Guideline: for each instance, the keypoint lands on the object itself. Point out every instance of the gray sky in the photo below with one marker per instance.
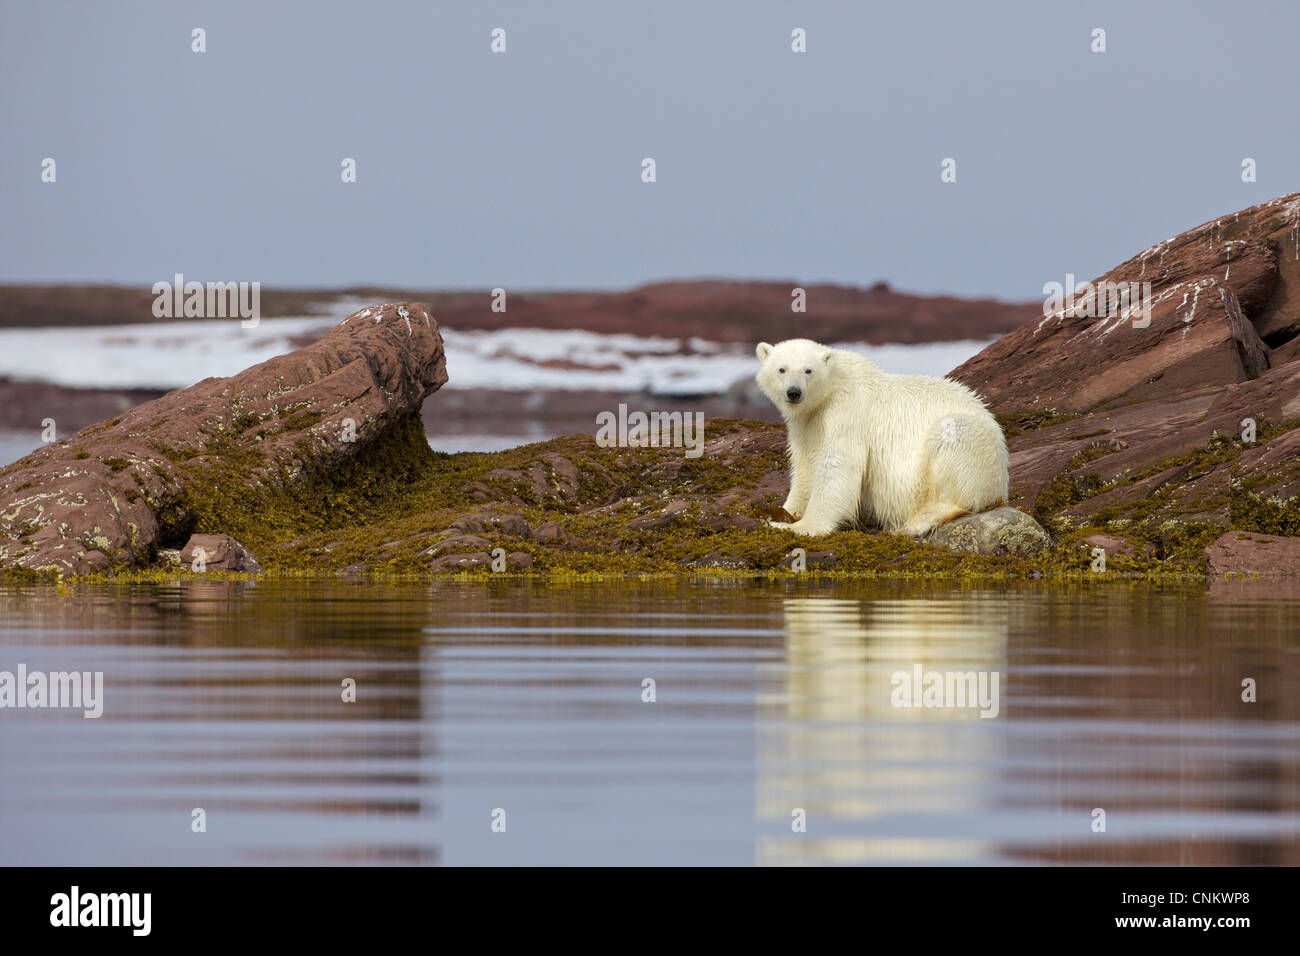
(523, 169)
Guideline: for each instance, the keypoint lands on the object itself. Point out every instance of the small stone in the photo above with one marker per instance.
(720, 560)
(221, 552)
(671, 512)
(515, 525)
(550, 532)
(813, 561)
(1117, 545)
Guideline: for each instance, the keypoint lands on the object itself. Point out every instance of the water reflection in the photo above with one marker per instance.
(771, 696)
(219, 697)
(871, 776)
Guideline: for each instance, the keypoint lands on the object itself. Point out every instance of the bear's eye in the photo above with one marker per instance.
(780, 371)
(807, 371)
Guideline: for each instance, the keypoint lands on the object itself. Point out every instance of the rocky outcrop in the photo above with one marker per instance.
(1223, 295)
(111, 493)
(1197, 335)
(1187, 423)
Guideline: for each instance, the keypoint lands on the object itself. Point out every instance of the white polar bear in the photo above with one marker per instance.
(902, 452)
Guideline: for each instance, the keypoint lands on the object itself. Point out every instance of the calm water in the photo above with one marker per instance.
(771, 699)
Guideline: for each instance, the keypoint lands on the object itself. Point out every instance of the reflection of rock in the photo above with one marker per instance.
(1002, 531)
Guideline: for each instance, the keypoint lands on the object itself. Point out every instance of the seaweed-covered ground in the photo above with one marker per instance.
(571, 507)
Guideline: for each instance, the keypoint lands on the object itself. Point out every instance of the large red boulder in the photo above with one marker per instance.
(94, 500)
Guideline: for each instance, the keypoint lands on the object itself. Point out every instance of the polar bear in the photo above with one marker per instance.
(869, 448)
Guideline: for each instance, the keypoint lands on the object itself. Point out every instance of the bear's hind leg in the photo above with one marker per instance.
(929, 518)
(967, 471)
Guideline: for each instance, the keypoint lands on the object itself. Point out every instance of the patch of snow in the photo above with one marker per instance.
(166, 355)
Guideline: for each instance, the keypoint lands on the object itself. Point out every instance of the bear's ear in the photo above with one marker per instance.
(827, 355)
(763, 351)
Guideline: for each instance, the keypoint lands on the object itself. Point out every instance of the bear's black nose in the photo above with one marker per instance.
(793, 394)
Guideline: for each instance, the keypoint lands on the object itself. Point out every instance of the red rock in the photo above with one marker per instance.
(1272, 470)
(551, 478)
(1141, 434)
(461, 562)
(458, 544)
(1219, 291)
(1197, 335)
(488, 520)
(1189, 382)
(550, 532)
(1256, 252)
(1247, 552)
(1115, 545)
(671, 512)
(220, 552)
(515, 561)
(92, 501)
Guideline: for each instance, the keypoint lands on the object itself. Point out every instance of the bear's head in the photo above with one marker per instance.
(795, 374)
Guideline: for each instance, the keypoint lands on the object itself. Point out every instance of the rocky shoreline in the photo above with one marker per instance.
(1168, 447)
(716, 310)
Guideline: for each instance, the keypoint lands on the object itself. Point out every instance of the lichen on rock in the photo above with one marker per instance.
(999, 531)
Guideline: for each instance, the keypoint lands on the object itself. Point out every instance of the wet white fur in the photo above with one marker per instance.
(902, 452)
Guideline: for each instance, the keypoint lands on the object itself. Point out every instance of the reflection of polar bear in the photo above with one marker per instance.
(904, 452)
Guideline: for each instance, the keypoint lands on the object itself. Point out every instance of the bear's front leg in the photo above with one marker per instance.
(835, 498)
(803, 526)
(796, 503)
